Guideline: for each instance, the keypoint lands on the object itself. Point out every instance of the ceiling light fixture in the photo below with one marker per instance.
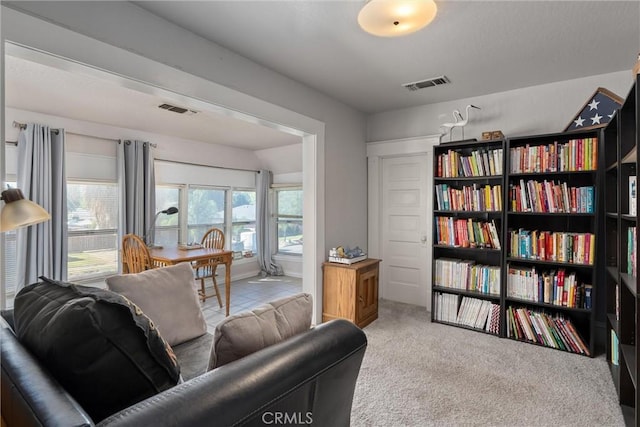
(391, 18)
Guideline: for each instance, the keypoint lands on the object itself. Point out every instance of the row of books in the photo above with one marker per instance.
(573, 155)
(569, 247)
(472, 312)
(548, 196)
(480, 162)
(469, 198)
(551, 331)
(467, 233)
(551, 287)
(632, 252)
(467, 275)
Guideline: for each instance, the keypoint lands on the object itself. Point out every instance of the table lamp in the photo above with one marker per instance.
(169, 211)
(19, 212)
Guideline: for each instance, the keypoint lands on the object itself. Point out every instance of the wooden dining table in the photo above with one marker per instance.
(164, 256)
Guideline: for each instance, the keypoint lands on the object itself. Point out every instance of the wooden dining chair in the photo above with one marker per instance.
(213, 238)
(135, 255)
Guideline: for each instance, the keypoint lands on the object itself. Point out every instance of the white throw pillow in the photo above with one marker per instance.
(167, 296)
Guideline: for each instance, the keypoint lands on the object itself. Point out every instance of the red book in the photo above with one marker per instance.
(570, 344)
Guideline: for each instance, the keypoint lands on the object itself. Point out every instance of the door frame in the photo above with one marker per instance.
(376, 151)
(33, 36)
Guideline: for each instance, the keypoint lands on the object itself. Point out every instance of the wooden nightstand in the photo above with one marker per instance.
(351, 291)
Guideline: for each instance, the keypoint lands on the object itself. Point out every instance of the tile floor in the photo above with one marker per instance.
(247, 294)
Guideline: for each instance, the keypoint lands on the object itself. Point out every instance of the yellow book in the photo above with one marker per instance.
(474, 165)
(592, 247)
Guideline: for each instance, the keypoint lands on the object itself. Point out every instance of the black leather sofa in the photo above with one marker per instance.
(306, 380)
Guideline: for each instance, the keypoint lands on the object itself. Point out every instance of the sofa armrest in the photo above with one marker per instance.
(30, 396)
(310, 376)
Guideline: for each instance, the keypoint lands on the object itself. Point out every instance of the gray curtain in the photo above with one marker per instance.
(137, 188)
(42, 248)
(265, 251)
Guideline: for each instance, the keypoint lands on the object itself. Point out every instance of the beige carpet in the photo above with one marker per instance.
(418, 373)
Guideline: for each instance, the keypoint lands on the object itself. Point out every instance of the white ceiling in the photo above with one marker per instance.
(45, 89)
(482, 46)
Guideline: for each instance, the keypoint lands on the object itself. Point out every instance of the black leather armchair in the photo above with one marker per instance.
(307, 379)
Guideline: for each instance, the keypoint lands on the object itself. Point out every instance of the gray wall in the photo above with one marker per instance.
(126, 26)
(528, 111)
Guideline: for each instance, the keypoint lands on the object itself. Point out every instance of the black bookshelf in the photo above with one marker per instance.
(621, 138)
(552, 229)
(457, 175)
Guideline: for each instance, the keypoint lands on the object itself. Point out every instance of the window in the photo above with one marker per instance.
(205, 209)
(92, 219)
(10, 255)
(168, 226)
(289, 220)
(243, 227)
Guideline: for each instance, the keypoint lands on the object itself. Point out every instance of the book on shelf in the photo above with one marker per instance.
(469, 198)
(480, 162)
(549, 287)
(614, 348)
(632, 195)
(554, 331)
(467, 275)
(467, 233)
(574, 155)
(550, 197)
(467, 311)
(632, 252)
(568, 247)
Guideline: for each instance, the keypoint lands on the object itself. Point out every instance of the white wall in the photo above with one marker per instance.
(284, 162)
(168, 147)
(528, 111)
(131, 28)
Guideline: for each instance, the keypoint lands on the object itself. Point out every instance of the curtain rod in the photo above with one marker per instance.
(206, 166)
(24, 126)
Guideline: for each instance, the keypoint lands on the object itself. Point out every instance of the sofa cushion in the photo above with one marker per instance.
(167, 295)
(100, 346)
(245, 333)
(193, 356)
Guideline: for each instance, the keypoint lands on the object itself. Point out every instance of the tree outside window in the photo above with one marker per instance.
(92, 220)
(289, 203)
(206, 209)
(243, 228)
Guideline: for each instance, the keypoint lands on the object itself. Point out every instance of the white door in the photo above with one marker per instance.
(406, 231)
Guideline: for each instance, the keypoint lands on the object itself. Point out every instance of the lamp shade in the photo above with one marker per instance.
(390, 18)
(20, 212)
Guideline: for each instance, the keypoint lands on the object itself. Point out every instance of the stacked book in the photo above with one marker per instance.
(480, 162)
(574, 248)
(542, 328)
(469, 198)
(467, 233)
(550, 197)
(632, 252)
(467, 275)
(471, 312)
(552, 287)
(574, 155)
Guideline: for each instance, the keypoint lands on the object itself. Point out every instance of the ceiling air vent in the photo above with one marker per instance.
(173, 108)
(435, 81)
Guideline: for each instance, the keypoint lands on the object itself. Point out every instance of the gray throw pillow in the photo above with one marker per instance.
(168, 297)
(245, 333)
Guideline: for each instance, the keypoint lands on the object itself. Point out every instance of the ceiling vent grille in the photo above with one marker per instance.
(175, 109)
(435, 81)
